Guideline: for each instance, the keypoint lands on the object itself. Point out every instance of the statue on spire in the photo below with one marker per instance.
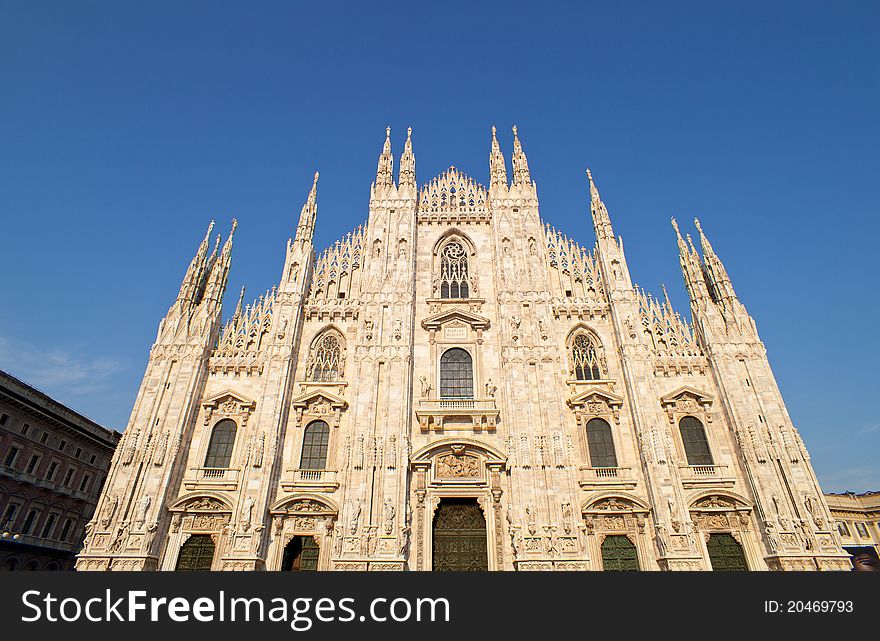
(601, 219)
(306, 228)
(521, 175)
(407, 174)
(385, 169)
(497, 167)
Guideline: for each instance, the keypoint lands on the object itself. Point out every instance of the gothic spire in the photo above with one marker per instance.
(407, 172)
(601, 220)
(306, 228)
(219, 274)
(521, 174)
(189, 288)
(237, 313)
(691, 268)
(497, 167)
(715, 270)
(385, 170)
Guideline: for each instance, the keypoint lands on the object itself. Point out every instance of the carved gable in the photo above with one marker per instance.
(686, 400)
(456, 324)
(228, 403)
(319, 403)
(594, 402)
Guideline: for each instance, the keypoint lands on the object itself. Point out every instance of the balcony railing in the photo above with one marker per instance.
(324, 480)
(693, 475)
(218, 473)
(433, 412)
(606, 477)
(225, 478)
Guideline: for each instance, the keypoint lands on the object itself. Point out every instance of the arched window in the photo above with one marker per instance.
(326, 361)
(221, 444)
(696, 445)
(601, 443)
(619, 554)
(454, 282)
(725, 553)
(314, 449)
(585, 358)
(456, 374)
(197, 553)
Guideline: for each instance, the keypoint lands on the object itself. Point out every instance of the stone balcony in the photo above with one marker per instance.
(211, 478)
(459, 414)
(693, 476)
(297, 480)
(592, 478)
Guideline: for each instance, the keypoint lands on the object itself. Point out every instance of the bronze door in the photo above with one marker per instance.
(197, 553)
(300, 555)
(460, 543)
(725, 553)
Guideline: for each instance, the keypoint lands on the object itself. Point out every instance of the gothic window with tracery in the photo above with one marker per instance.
(585, 357)
(314, 450)
(696, 445)
(454, 281)
(221, 444)
(456, 374)
(601, 443)
(326, 361)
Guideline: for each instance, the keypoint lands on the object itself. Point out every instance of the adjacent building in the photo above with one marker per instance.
(53, 463)
(456, 385)
(858, 523)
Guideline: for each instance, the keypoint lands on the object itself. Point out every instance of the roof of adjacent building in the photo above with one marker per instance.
(40, 404)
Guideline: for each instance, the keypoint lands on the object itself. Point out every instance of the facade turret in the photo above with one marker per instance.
(406, 179)
(497, 166)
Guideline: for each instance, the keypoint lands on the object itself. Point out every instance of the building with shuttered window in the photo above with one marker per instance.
(455, 385)
(53, 462)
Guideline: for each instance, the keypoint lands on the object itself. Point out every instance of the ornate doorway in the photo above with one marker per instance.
(197, 553)
(460, 543)
(725, 553)
(300, 555)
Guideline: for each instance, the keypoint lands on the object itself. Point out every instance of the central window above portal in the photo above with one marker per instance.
(454, 281)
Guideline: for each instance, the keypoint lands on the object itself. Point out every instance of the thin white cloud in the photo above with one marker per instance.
(870, 429)
(64, 373)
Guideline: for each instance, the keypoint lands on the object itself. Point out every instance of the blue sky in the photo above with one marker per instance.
(125, 127)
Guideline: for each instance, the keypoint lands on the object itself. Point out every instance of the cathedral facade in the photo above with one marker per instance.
(455, 385)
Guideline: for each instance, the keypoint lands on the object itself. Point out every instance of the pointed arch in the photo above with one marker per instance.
(454, 275)
(326, 361)
(585, 353)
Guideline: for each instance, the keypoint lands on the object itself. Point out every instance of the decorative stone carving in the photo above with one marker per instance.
(461, 465)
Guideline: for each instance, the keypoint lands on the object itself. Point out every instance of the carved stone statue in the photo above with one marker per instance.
(354, 515)
(530, 518)
(388, 513)
(110, 510)
(426, 386)
(247, 513)
(142, 507)
(402, 540)
(490, 389)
